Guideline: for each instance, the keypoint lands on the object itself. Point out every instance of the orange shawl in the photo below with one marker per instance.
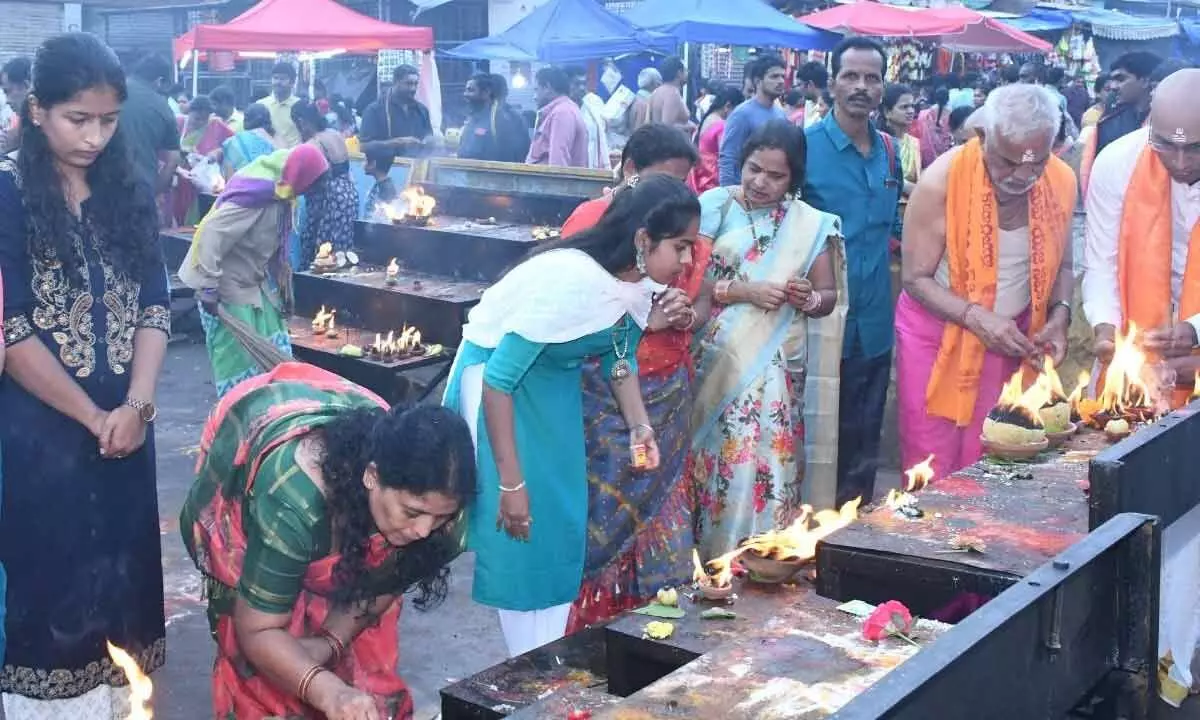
(1144, 253)
(972, 237)
(1144, 250)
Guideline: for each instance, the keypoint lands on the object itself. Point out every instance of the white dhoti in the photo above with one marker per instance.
(1179, 605)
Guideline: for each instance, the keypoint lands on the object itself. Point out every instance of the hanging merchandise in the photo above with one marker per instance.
(909, 61)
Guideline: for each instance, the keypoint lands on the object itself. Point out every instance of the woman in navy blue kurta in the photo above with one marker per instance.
(517, 382)
(86, 322)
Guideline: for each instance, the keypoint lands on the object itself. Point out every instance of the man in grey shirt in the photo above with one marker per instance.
(149, 126)
(769, 75)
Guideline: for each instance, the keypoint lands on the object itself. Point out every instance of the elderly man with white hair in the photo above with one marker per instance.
(987, 275)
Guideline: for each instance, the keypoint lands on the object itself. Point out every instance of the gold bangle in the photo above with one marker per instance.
(306, 681)
(335, 644)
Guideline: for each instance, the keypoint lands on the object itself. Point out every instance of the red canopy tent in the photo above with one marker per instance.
(303, 25)
(957, 28)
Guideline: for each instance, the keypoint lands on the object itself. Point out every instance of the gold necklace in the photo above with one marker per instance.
(621, 368)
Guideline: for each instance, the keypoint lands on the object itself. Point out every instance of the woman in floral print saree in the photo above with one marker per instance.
(776, 264)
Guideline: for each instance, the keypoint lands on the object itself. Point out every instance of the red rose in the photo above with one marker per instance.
(889, 619)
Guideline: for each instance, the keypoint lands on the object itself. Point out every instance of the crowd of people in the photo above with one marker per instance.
(731, 364)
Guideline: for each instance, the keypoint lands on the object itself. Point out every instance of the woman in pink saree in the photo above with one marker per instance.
(712, 130)
(932, 128)
(201, 132)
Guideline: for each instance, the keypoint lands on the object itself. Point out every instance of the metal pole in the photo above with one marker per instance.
(195, 73)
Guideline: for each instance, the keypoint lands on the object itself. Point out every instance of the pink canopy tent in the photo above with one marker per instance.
(957, 28)
(303, 25)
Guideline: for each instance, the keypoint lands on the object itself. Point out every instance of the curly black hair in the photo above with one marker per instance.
(420, 449)
(121, 209)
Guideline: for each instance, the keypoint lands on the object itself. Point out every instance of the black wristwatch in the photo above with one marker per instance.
(1063, 304)
(146, 409)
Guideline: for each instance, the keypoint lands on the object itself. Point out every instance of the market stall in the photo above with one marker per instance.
(925, 41)
(316, 28)
(308, 25)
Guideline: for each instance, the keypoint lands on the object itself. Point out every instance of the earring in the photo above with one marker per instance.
(640, 260)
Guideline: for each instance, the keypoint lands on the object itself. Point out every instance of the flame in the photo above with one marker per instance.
(140, 687)
(1196, 386)
(1051, 382)
(919, 475)
(393, 214)
(1024, 403)
(393, 267)
(323, 320)
(897, 499)
(723, 567)
(419, 204)
(1081, 386)
(1126, 392)
(325, 251)
(699, 575)
(799, 540)
(409, 340)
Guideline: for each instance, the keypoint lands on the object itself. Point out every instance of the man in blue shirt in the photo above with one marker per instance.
(769, 75)
(852, 172)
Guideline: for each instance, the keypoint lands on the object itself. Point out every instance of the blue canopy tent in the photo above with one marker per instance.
(729, 22)
(565, 31)
(1040, 20)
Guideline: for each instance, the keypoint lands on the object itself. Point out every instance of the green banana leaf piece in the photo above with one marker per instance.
(661, 611)
(717, 613)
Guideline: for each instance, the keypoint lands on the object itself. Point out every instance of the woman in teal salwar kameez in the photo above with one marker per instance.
(517, 382)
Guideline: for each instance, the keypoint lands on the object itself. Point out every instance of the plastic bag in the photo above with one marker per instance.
(206, 176)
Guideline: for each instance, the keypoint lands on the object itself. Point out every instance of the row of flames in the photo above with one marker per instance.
(407, 342)
(413, 202)
(1132, 390)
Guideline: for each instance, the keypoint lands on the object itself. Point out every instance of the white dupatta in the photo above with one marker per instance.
(556, 297)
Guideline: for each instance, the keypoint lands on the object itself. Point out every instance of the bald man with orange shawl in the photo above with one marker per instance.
(1142, 266)
(987, 275)
(1142, 254)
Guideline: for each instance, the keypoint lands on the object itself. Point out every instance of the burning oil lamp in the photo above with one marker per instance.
(1014, 428)
(1131, 393)
(141, 689)
(904, 501)
(413, 207)
(718, 586)
(325, 261)
(1056, 411)
(392, 272)
(776, 555)
(322, 321)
